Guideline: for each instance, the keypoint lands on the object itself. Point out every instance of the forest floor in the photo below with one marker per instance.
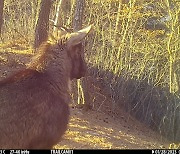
(93, 129)
(98, 130)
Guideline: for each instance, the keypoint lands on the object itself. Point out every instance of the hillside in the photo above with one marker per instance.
(97, 130)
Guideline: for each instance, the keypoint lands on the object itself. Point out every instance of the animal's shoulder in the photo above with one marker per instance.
(18, 76)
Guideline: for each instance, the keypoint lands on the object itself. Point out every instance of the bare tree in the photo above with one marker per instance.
(77, 23)
(42, 27)
(57, 15)
(1, 13)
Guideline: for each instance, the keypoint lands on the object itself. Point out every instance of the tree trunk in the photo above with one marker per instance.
(77, 25)
(42, 27)
(1, 14)
(66, 9)
(57, 15)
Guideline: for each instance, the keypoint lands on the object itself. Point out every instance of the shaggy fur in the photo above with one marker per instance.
(33, 102)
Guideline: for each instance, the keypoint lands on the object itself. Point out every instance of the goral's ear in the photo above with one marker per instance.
(77, 37)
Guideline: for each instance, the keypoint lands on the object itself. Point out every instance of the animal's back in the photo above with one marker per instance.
(32, 113)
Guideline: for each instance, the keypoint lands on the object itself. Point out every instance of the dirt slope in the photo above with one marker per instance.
(95, 130)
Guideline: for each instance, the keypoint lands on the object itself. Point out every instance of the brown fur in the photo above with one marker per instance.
(33, 102)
